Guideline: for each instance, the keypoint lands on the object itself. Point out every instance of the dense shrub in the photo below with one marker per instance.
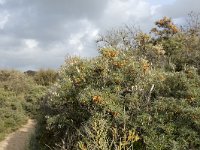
(134, 98)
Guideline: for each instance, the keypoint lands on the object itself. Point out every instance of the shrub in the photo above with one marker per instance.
(45, 77)
(126, 99)
(15, 81)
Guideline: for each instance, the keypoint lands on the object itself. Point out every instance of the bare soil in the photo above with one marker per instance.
(19, 139)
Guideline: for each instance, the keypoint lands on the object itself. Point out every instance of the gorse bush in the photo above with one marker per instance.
(143, 97)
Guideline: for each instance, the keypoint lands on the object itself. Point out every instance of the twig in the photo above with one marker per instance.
(149, 96)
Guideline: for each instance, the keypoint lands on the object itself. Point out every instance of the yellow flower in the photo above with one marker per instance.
(145, 66)
(119, 63)
(113, 53)
(109, 53)
(97, 99)
(132, 136)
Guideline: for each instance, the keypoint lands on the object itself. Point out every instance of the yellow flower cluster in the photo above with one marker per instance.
(119, 64)
(145, 66)
(173, 28)
(159, 49)
(163, 21)
(167, 24)
(133, 137)
(109, 53)
(97, 99)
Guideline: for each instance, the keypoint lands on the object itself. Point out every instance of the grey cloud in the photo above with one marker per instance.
(180, 8)
(49, 22)
(46, 19)
(61, 27)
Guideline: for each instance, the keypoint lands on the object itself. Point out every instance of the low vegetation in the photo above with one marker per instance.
(20, 98)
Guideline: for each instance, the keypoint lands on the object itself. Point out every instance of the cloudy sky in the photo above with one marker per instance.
(41, 33)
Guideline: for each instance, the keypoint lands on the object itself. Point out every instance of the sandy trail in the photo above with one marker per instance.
(18, 140)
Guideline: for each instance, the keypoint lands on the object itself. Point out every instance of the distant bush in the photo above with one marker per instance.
(30, 72)
(15, 81)
(45, 77)
(143, 97)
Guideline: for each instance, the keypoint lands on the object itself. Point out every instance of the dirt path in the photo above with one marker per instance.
(18, 140)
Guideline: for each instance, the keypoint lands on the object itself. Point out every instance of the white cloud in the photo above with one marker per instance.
(81, 42)
(154, 9)
(120, 12)
(31, 43)
(2, 2)
(4, 16)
